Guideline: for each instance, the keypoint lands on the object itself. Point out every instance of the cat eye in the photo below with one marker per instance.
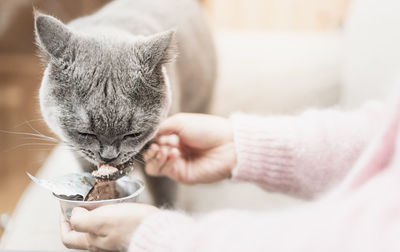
(133, 135)
(85, 134)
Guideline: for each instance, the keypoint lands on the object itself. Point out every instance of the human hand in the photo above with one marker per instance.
(192, 148)
(108, 227)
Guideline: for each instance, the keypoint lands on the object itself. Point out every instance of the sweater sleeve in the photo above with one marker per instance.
(164, 231)
(227, 230)
(302, 155)
(344, 224)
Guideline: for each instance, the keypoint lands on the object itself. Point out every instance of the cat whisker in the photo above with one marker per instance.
(28, 134)
(28, 121)
(37, 131)
(29, 144)
(41, 139)
(43, 149)
(62, 145)
(25, 144)
(139, 160)
(69, 145)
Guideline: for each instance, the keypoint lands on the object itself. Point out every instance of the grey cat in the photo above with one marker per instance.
(111, 77)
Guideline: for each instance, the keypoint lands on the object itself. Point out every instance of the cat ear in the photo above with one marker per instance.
(52, 36)
(157, 49)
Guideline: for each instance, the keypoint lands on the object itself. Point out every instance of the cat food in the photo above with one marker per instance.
(103, 190)
(105, 171)
(105, 187)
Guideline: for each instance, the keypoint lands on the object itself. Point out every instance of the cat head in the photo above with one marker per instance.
(103, 95)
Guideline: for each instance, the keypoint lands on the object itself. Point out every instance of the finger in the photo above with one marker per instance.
(171, 125)
(92, 248)
(176, 168)
(86, 221)
(174, 153)
(70, 238)
(154, 165)
(169, 168)
(100, 243)
(151, 152)
(170, 140)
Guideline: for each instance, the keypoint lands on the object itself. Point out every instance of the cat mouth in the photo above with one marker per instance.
(112, 172)
(119, 166)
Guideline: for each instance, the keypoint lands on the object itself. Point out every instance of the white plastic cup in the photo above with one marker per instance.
(128, 188)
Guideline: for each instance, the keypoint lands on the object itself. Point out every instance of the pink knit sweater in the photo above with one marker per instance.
(305, 156)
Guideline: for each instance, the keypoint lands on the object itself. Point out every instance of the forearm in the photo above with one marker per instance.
(302, 155)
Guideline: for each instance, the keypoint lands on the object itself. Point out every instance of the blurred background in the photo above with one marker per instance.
(275, 56)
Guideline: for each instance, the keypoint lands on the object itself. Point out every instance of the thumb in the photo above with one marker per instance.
(79, 212)
(83, 220)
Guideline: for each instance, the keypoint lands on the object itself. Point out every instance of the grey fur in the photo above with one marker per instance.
(106, 86)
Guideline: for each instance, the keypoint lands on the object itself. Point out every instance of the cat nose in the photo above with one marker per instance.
(108, 160)
(108, 154)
